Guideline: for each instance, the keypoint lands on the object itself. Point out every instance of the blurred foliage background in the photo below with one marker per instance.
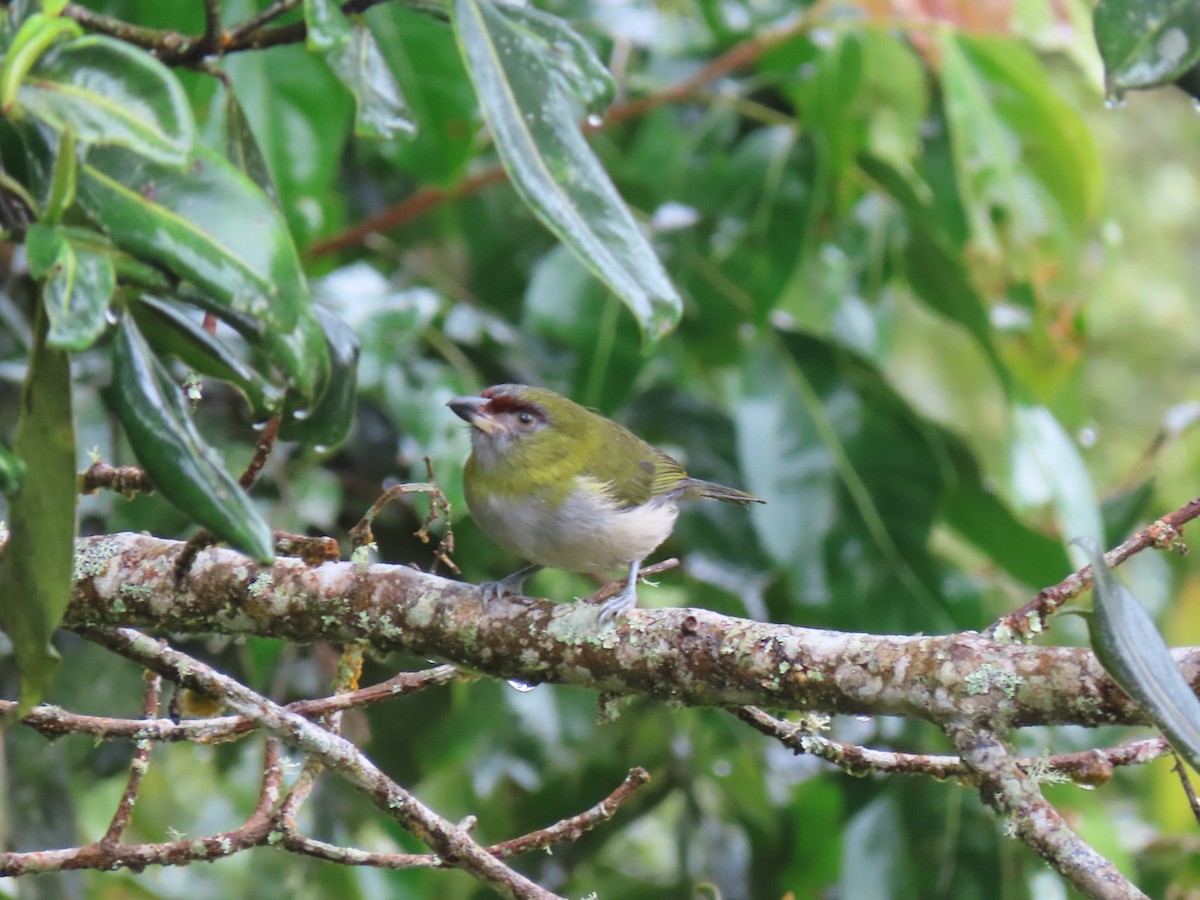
(936, 309)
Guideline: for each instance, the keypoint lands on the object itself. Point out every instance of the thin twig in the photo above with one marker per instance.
(447, 840)
(137, 767)
(612, 588)
(362, 535)
(1088, 767)
(262, 451)
(1180, 768)
(1030, 619)
(54, 722)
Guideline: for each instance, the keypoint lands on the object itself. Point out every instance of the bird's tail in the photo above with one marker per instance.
(694, 488)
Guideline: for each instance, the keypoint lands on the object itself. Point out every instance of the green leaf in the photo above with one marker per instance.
(77, 285)
(170, 331)
(1138, 659)
(1024, 160)
(291, 99)
(1146, 42)
(535, 123)
(111, 93)
(155, 416)
(207, 223)
(242, 148)
(35, 36)
(1047, 467)
(35, 573)
(426, 63)
(327, 424)
(351, 51)
(61, 195)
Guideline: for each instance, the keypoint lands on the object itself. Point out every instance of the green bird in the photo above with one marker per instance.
(565, 488)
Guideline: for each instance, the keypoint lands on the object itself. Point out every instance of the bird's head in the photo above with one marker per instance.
(516, 424)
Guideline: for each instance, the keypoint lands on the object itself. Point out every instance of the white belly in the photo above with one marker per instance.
(585, 533)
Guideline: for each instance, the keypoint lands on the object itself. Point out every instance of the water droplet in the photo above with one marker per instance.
(595, 120)
(260, 424)
(320, 449)
(111, 316)
(1115, 99)
(301, 414)
(520, 686)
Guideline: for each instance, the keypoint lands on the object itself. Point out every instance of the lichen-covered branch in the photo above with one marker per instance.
(688, 655)
(1017, 799)
(451, 843)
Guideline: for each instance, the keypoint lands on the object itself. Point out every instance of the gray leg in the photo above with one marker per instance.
(508, 586)
(616, 607)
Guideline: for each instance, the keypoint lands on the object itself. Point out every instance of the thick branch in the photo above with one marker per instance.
(690, 655)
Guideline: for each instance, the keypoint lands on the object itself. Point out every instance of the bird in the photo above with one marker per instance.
(565, 488)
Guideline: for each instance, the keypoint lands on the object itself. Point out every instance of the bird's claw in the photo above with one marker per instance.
(508, 586)
(615, 608)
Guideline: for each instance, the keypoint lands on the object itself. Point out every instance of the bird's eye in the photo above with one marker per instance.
(525, 418)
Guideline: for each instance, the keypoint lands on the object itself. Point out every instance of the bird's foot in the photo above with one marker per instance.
(508, 586)
(616, 607)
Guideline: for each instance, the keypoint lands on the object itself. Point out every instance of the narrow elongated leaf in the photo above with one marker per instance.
(535, 123)
(181, 465)
(1138, 659)
(77, 285)
(169, 330)
(327, 424)
(352, 54)
(1146, 42)
(35, 574)
(35, 36)
(110, 92)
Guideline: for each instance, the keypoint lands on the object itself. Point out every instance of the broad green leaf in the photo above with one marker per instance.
(35, 36)
(291, 99)
(169, 330)
(77, 285)
(35, 573)
(182, 466)
(982, 518)
(111, 93)
(328, 422)
(351, 51)
(207, 223)
(535, 123)
(1146, 42)
(1024, 160)
(1138, 659)
(820, 431)
(425, 61)
(1047, 467)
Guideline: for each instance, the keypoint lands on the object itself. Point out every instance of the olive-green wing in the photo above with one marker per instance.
(634, 471)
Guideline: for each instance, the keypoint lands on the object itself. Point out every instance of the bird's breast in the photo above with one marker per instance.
(586, 531)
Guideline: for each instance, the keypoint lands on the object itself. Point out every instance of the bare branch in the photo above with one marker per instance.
(137, 768)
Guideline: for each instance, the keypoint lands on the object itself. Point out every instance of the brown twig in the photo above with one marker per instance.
(1180, 769)
(1030, 619)
(447, 840)
(137, 767)
(126, 480)
(615, 587)
(361, 534)
(262, 451)
(1088, 767)
(54, 722)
